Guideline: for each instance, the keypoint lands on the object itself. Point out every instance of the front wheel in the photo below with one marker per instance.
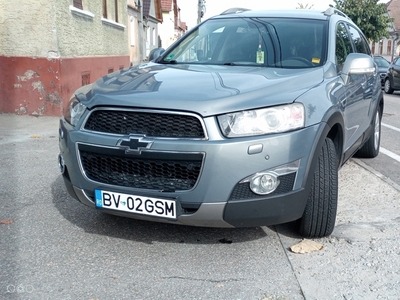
(388, 87)
(371, 147)
(319, 216)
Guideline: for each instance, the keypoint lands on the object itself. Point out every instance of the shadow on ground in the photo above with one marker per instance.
(95, 222)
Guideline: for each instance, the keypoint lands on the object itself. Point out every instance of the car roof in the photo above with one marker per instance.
(294, 13)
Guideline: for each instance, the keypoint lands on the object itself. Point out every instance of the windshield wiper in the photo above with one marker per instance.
(243, 64)
(172, 61)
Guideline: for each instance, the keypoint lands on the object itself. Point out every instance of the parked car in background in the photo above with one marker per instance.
(242, 122)
(392, 79)
(383, 65)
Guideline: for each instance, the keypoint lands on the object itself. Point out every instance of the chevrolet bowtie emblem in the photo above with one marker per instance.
(134, 145)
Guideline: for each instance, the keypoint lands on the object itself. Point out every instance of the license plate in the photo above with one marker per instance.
(136, 204)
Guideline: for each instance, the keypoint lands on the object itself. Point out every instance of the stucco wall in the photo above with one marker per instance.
(28, 28)
(48, 49)
(167, 29)
(91, 36)
(48, 28)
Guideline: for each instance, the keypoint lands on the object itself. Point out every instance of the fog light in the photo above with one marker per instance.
(263, 184)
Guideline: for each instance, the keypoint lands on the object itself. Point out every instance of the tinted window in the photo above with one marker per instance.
(359, 41)
(343, 45)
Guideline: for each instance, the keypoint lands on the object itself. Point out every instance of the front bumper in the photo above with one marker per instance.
(213, 201)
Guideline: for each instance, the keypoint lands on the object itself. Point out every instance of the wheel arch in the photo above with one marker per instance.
(336, 134)
(332, 127)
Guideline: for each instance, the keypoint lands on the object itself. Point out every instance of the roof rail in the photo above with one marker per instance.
(334, 11)
(234, 10)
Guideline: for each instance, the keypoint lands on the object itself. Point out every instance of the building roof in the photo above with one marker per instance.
(166, 5)
(146, 7)
(158, 11)
(393, 8)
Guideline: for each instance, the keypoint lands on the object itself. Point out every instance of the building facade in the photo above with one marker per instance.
(172, 27)
(390, 47)
(49, 48)
(143, 19)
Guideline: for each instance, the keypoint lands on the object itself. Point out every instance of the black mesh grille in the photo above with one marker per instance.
(145, 123)
(155, 171)
(243, 191)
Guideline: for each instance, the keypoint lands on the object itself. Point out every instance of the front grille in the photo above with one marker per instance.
(167, 172)
(242, 191)
(145, 123)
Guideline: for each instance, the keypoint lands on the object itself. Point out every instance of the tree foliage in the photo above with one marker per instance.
(369, 15)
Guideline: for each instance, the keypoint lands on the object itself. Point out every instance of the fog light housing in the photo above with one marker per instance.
(264, 183)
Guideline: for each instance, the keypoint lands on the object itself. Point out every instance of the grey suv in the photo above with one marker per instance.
(244, 121)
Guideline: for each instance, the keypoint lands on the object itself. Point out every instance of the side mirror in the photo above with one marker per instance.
(155, 53)
(357, 64)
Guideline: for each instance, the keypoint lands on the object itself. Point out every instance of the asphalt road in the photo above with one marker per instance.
(52, 247)
(388, 163)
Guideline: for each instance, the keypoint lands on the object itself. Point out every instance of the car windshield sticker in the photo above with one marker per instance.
(260, 55)
(315, 60)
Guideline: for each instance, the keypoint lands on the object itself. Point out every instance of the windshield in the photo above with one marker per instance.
(269, 42)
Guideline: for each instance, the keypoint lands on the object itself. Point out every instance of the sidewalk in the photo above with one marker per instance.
(360, 259)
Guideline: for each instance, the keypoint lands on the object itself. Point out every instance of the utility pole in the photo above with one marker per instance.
(201, 10)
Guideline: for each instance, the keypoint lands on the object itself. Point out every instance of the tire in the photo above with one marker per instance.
(319, 216)
(388, 87)
(371, 147)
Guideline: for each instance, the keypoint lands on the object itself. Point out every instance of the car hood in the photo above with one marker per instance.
(206, 90)
(382, 69)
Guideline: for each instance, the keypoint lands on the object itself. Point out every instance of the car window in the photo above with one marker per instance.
(343, 45)
(284, 43)
(381, 62)
(359, 41)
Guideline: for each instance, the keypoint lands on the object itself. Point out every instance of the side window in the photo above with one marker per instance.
(397, 62)
(343, 45)
(359, 41)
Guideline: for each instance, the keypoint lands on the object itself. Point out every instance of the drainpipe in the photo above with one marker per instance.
(395, 44)
(199, 11)
(140, 31)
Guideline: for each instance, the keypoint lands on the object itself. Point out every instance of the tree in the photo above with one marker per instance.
(370, 17)
(302, 6)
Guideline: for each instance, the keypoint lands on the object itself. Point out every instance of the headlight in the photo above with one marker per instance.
(262, 121)
(74, 111)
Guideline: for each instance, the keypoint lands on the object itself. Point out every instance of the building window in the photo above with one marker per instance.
(389, 47)
(116, 11)
(373, 48)
(380, 48)
(105, 9)
(78, 4)
(85, 78)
